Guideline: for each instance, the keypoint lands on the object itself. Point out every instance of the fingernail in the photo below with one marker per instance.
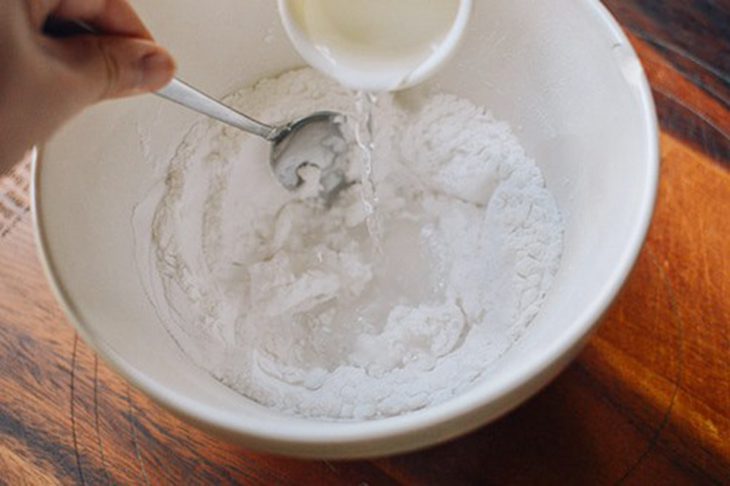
(157, 69)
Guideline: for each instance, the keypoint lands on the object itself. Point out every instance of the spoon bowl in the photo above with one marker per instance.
(317, 141)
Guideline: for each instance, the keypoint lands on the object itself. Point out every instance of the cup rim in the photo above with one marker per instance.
(471, 409)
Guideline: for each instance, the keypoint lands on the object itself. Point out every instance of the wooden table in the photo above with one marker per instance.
(648, 401)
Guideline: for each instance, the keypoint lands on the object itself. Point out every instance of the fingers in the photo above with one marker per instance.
(111, 17)
(38, 10)
(102, 67)
(44, 81)
(120, 62)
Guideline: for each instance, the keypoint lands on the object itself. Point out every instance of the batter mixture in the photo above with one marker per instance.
(300, 308)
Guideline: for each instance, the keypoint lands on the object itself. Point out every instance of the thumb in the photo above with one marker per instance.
(103, 67)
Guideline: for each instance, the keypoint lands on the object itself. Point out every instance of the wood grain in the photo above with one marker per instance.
(647, 402)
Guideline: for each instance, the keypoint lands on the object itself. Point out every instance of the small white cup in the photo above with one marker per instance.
(365, 45)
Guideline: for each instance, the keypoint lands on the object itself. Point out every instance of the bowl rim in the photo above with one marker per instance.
(412, 430)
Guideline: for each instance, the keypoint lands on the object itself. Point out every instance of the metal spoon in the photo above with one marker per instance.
(315, 140)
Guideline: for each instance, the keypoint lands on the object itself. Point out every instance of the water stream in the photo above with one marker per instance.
(364, 136)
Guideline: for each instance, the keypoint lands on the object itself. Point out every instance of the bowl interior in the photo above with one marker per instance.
(559, 72)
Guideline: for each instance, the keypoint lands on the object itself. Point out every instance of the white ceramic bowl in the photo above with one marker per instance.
(561, 72)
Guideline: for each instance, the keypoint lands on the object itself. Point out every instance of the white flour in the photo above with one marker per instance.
(288, 303)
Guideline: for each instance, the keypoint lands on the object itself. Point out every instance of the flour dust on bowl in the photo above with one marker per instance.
(512, 195)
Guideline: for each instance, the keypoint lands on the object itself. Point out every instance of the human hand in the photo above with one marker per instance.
(46, 81)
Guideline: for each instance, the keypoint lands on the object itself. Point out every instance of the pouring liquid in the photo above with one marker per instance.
(364, 136)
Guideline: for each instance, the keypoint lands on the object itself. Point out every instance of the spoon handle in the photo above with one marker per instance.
(177, 91)
(183, 94)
